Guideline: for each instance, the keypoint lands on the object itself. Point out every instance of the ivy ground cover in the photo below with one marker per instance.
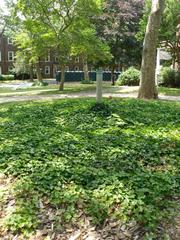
(118, 160)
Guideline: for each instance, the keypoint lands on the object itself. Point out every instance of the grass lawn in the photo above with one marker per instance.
(5, 91)
(161, 90)
(71, 87)
(170, 91)
(68, 159)
(50, 89)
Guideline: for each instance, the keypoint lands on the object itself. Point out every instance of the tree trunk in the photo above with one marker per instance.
(61, 86)
(31, 73)
(38, 73)
(147, 88)
(112, 76)
(85, 69)
(177, 64)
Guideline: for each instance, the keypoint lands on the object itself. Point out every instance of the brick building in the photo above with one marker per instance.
(7, 52)
(48, 65)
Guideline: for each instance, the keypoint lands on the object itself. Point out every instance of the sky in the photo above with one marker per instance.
(2, 5)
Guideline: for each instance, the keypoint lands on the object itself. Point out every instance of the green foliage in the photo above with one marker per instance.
(118, 26)
(6, 77)
(24, 215)
(169, 77)
(118, 160)
(101, 109)
(130, 77)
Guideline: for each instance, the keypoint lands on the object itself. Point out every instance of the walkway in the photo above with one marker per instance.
(77, 95)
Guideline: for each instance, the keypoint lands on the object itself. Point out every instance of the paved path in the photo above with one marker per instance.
(77, 95)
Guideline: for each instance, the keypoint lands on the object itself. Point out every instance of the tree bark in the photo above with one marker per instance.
(61, 86)
(177, 64)
(148, 88)
(112, 76)
(38, 73)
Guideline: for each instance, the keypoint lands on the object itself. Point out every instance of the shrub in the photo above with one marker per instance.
(6, 77)
(169, 77)
(23, 76)
(130, 77)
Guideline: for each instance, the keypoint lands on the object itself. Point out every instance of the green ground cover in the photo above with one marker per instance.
(114, 161)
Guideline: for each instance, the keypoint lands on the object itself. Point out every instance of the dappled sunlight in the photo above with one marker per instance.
(169, 91)
(3, 120)
(72, 159)
(122, 89)
(7, 144)
(3, 109)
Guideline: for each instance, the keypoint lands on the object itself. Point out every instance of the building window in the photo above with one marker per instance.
(10, 56)
(77, 60)
(47, 70)
(48, 58)
(76, 69)
(10, 41)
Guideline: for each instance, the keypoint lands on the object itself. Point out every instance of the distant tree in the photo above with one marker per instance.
(147, 82)
(169, 37)
(31, 48)
(91, 48)
(28, 38)
(22, 65)
(58, 18)
(118, 25)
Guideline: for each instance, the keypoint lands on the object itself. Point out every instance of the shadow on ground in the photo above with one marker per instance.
(118, 163)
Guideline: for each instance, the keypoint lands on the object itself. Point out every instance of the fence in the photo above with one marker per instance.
(75, 76)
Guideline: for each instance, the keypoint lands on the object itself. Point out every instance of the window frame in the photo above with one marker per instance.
(49, 70)
(11, 60)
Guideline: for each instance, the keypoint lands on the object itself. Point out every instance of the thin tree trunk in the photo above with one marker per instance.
(148, 88)
(177, 64)
(85, 69)
(38, 73)
(112, 76)
(61, 86)
(31, 73)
